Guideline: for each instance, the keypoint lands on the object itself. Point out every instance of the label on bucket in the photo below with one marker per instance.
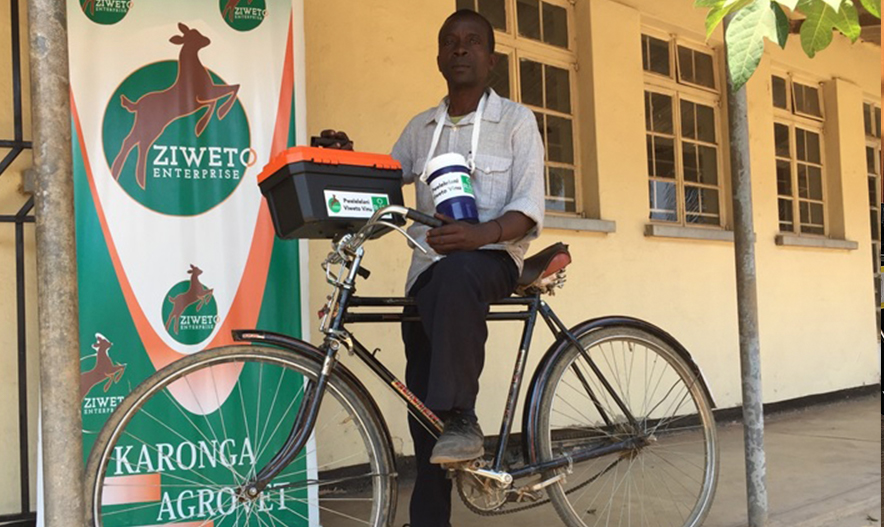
(353, 204)
(453, 185)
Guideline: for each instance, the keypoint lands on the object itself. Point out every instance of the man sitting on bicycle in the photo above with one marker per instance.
(469, 265)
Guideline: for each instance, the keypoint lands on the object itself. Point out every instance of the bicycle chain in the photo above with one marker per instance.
(502, 512)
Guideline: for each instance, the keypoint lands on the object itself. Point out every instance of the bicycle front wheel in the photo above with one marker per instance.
(179, 448)
(668, 478)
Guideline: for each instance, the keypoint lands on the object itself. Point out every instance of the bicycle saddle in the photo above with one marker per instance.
(543, 264)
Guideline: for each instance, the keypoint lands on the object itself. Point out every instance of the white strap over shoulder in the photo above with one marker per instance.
(441, 115)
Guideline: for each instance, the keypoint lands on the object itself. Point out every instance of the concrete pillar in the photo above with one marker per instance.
(747, 304)
(56, 264)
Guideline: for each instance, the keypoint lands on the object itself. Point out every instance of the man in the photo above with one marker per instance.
(469, 265)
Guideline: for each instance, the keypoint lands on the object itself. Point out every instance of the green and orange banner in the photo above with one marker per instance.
(177, 106)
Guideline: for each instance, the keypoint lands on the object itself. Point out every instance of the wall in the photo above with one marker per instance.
(371, 67)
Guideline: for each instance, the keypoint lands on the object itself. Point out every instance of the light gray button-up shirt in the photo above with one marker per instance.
(508, 176)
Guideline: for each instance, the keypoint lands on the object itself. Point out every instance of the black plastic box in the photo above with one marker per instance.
(321, 193)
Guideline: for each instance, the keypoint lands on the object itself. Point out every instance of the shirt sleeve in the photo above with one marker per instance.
(527, 173)
(403, 152)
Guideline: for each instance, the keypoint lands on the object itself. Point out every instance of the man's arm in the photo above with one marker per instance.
(462, 236)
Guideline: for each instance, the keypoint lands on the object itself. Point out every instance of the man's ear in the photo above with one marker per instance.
(439, 63)
(492, 61)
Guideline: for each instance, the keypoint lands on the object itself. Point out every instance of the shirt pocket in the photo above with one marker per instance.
(492, 182)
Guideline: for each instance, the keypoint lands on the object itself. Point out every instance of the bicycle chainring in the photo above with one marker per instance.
(482, 495)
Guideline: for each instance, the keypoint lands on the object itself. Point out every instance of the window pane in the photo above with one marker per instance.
(878, 123)
(815, 182)
(867, 118)
(807, 99)
(649, 143)
(804, 211)
(560, 139)
(706, 123)
(541, 127)
(778, 85)
(873, 220)
(800, 142)
(560, 205)
(812, 144)
(816, 214)
(688, 120)
(558, 89)
(656, 55)
(873, 192)
(784, 178)
(555, 25)
(701, 205)
(662, 201)
(561, 183)
(495, 12)
(499, 79)
(708, 165)
(704, 72)
(528, 13)
(709, 201)
(664, 157)
(661, 113)
(690, 162)
(781, 138)
(785, 210)
(648, 111)
(531, 76)
(466, 4)
(803, 191)
(685, 64)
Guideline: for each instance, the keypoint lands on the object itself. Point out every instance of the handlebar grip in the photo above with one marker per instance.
(420, 217)
(363, 272)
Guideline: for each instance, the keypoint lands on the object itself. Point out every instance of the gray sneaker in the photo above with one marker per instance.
(461, 440)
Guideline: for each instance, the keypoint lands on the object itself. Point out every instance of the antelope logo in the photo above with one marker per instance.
(104, 370)
(105, 11)
(242, 17)
(194, 294)
(193, 90)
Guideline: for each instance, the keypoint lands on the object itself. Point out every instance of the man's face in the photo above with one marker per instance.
(464, 58)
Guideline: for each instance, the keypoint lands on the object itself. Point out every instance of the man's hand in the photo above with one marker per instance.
(337, 140)
(460, 235)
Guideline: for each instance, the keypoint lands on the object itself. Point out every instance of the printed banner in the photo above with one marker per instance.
(177, 105)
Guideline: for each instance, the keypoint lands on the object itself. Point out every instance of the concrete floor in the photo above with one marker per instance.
(823, 470)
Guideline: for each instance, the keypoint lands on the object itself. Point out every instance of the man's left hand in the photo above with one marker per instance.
(460, 235)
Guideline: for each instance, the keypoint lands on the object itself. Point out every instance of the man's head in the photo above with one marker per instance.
(466, 50)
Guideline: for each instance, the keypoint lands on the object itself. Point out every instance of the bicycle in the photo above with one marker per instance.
(617, 422)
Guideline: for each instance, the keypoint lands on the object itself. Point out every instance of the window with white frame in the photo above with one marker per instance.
(872, 118)
(536, 58)
(800, 167)
(682, 130)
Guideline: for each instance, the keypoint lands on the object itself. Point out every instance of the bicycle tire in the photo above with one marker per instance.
(324, 487)
(670, 481)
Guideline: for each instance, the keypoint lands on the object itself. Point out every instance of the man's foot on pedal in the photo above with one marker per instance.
(462, 440)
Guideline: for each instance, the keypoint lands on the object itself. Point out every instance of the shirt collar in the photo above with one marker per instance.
(493, 109)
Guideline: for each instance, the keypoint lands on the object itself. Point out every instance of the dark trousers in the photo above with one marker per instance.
(446, 353)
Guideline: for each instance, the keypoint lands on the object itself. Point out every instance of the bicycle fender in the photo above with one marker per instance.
(305, 349)
(542, 373)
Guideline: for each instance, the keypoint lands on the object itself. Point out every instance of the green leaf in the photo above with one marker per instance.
(834, 4)
(745, 40)
(873, 6)
(816, 30)
(847, 21)
(708, 3)
(789, 3)
(717, 14)
(782, 24)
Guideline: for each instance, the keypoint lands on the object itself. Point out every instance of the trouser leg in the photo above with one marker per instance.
(445, 353)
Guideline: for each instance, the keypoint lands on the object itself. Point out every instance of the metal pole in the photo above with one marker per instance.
(747, 303)
(56, 265)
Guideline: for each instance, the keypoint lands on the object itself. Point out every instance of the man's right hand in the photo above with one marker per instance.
(337, 140)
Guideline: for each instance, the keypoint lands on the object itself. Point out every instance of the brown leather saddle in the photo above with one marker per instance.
(538, 270)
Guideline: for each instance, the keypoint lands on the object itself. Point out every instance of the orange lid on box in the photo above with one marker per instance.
(328, 156)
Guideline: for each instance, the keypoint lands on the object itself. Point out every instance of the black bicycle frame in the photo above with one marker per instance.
(314, 391)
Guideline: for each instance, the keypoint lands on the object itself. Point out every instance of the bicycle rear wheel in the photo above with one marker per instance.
(669, 479)
(178, 448)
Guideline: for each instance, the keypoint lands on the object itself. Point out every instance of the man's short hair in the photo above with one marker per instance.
(469, 13)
